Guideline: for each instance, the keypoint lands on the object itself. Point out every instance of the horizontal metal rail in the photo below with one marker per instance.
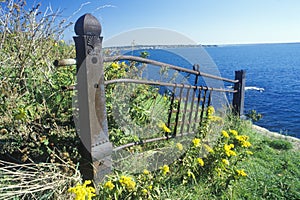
(161, 64)
(70, 62)
(166, 84)
(141, 142)
(65, 62)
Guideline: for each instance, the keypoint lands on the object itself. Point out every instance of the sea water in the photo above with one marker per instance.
(272, 77)
(272, 81)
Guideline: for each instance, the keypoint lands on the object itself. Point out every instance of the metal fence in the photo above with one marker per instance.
(188, 102)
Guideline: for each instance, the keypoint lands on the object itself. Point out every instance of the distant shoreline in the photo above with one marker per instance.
(191, 46)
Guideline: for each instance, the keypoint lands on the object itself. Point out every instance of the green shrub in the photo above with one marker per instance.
(36, 113)
(280, 144)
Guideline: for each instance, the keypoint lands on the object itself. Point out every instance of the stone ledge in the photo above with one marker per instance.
(294, 141)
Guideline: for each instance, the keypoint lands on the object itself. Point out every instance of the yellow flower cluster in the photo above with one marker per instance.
(146, 172)
(83, 191)
(200, 162)
(215, 118)
(241, 172)
(210, 110)
(165, 169)
(128, 182)
(115, 65)
(179, 146)
(225, 161)
(233, 132)
(164, 127)
(208, 148)
(196, 142)
(225, 134)
(243, 140)
(228, 151)
(109, 185)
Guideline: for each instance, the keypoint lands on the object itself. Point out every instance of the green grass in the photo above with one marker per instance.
(273, 173)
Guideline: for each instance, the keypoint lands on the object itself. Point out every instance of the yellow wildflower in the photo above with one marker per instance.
(109, 185)
(200, 162)
(249, 152)
(146, 172)
(196, 142)
(246, 144)
(215, 118)
(210, 110)
(165, 98)
(179, 146)
(123, 64)
(208, 148)
(165, 169)
(233, 132)
(144, 191)
(228, 150)
(128, 182)
(164, 127)
(241, 172)
(150, 187)
(83, 191)
(225, 134)
(115, 65)
(243, 140)
(225, 161)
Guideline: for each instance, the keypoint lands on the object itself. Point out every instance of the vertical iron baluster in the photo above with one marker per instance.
(171, 107)
(203, 106)
(197, 106)
(191, 110)
(184, 109)
(178, 111)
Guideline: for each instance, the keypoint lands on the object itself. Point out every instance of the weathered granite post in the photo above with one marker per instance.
(239, 96)
(92, 126)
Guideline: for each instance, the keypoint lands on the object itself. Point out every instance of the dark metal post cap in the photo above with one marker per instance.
(87, 24)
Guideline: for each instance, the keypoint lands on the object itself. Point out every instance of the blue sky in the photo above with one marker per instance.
(203, 21)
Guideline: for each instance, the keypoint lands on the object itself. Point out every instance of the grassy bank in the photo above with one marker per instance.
(273, 173)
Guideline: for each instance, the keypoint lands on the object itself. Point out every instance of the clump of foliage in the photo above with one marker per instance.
(36, 113)
(253, 115)
(214, 164)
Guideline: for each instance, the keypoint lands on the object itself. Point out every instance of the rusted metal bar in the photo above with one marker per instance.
(178, 111)
(191, 111)
(65, 62)
(165, 84)
(161, 64)
(203, 106)
(171, 107)
(149, 140)
(185, 108)
(71, 61)
(197, 106)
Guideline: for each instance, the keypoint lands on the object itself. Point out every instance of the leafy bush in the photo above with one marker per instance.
(36, 113)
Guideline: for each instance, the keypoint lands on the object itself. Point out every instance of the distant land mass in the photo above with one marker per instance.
(157, 47)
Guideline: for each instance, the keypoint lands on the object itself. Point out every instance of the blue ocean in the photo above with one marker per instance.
(272, 80)
(272, 77)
